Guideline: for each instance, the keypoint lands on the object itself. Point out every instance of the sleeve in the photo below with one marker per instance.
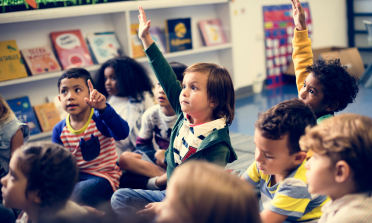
(56, 133)
(291, 198)
(302, 56)
(110, 124)
(147, 127)
(218, 154)
(166, 77)
(252, 175)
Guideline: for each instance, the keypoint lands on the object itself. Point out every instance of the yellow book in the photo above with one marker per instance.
(136, 42)
(11, 63)
(48, 116)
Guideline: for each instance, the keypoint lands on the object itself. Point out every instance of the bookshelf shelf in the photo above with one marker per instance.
(40, 136)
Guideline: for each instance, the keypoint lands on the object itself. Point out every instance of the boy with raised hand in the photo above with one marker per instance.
(279, 166)
(89, 132)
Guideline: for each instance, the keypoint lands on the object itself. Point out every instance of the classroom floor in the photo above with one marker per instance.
(247, 109)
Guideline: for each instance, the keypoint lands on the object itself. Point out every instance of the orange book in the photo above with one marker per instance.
(48, 116)
(40, 60)
(136, 42)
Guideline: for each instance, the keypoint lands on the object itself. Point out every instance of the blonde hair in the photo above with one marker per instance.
(7, 113)
(208, 193)
(345, 137)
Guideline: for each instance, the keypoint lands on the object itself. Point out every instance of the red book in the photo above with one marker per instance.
(71, 49)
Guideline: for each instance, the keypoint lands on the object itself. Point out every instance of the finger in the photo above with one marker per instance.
(143, 14)
(100, 98)
(293, 4)
(93, 95)
(148, 25)
(90, 85)
(88, 102)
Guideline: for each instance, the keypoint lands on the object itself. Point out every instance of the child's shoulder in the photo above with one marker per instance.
(155, 109)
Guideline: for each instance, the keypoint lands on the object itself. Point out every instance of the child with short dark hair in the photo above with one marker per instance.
(341, 167)
(279, 164)
(128, 89)
(40, 181)
(89, 132)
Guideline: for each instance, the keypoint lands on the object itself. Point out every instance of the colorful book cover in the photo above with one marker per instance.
(40, 60)
(212, 32)
(23, 111)
(158, 36)
(47, 115)
(137, 46)
(103, 46)
(71, 49)
(11, 63)
(178, 33)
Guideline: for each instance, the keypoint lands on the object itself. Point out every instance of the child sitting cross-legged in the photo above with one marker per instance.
(341, 167)
(145, 165)
(279, 166)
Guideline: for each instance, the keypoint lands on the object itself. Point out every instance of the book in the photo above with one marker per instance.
(54, 98)
(11, 63)
(71, 49)
(40, 60)
(158, 36)
(178, 32)
(48, 116)
(137, 46)
(23, 111)
(103, 46)
(212, 32)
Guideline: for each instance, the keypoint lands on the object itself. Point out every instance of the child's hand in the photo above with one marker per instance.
(144, 27)
(160, 156)
(96, 100)
(151, 210)
(298, 15)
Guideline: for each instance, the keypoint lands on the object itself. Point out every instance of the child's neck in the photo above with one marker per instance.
(201, 119)
(78, 121)
(33, 213)
(281, 176)
(168, 110)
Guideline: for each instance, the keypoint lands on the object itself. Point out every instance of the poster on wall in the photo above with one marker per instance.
(278, 28)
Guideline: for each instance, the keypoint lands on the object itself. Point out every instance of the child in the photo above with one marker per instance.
(89, 132)
(279, 164)
(341, 167)
(129, 91)
(205, 108)
(40, 180)
(144, 163)
(329, 88)
(201, 192)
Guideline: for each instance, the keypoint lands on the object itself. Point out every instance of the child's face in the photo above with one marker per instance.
(312, 94)
(272, 156)
(72, 93)
(320, 174)
(110, 81)
(160, 95)
(14, 186)
(194, 98)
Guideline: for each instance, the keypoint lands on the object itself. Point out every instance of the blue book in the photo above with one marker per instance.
(178, 34)
(23, 111)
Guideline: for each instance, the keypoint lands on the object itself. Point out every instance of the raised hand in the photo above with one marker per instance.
(298, 15)
(144, 27)
(96, 100)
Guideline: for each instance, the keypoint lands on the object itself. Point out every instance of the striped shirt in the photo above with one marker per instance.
(288, 197)
(94, 145)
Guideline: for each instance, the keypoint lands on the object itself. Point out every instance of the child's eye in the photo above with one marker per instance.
(311, 91)
(63, 91)
(183, 86)
(304, 84)
(193, 87)
(77, 90)
(269, 157)
(113, 78)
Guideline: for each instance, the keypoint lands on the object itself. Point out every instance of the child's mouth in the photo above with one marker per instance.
(72, 106)
(161, 99)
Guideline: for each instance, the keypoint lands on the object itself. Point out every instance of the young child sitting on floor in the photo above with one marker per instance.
(279, 164)
(341, 167)
(40, 181)
(146, 163)
(89, 132)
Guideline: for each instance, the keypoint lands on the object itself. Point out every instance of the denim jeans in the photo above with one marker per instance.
(91, 190)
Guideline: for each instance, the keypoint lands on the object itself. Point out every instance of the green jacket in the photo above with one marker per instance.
(216, 147)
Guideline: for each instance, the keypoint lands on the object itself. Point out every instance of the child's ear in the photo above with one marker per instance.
(59, 98)
(332, 107)
(34, 197)
(299, 157)
(342, 171)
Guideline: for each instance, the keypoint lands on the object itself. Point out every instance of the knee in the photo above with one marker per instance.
(119, 199)
(124, 160)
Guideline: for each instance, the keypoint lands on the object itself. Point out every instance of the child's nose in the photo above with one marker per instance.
(3, 180)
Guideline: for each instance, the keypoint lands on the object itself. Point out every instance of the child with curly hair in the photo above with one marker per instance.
(128, 89)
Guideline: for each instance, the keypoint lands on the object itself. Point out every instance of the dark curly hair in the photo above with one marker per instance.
(338, 85)
(132, 80)
(288, 117)
(51, 170)
(75, 73)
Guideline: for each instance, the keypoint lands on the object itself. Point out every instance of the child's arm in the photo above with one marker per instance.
(302, 53)
(56, 133)
(268, 216)
(144, 137)
(163, 71)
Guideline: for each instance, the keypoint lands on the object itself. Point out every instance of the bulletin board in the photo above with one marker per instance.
(278, 28)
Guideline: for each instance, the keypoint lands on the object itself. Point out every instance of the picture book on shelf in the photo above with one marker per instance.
(71, 49)
(23, 111)
(11, 63)
(136, 42)
(212, 32)
(178, 32)
(47, 115)
(40, 60)
(103, 46)
(158, 36)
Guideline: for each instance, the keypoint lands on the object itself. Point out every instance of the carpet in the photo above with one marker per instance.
(244, 148)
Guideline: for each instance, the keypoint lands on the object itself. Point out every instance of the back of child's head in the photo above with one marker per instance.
(5, 111)
(220, 89)
(75, 73)
(345, 137)
(288, 117)
(132, 79)
(338, 84)
(51, 170)
(208, 193)
(179, 69)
